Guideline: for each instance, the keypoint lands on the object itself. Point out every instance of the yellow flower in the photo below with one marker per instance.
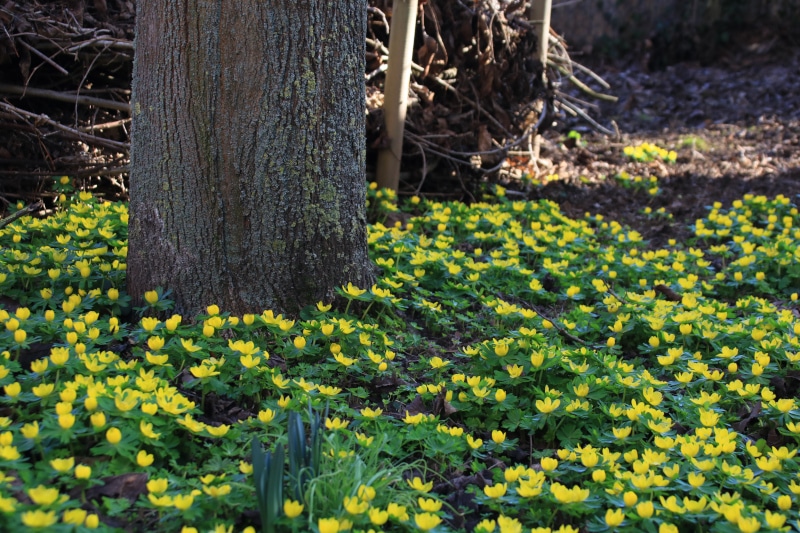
(157, 360)
(280, 381)
(144, 459)
(146, 429)
(218, 491)
(83, 472)
(31, 430)
(266, 416)
(150, 323)
(417, 484)
(696, 479)
(366, 493)
(549, 464)
(151, 297)
(39, 519)
(183, 501)
(774, 520)
(217, 431)
(630, 498)
(473, 442)
(501, 347)
(189, 346)
(486, 526)
(645, 509)
(548, 405)
(498, 437)
(514, 371)
(437, 362)
(13, 389)
(589, 459)
(371, 413)
(203, 371)
(784, 502)
(614, 517)
(354, 506)
(509, 525)
(397, 511)
(157, 485)
(299, 342)
(43, 496)
(336, 423)
(74, 516)
(249, 361)
(160, 501)
(429, 505)
(749, 525)
(425, 521)
(155, 343)
(292, 509)
(328, 525)
(113, 435)
(353, 291)
(329, 391)
(377, 516)
(66, 420)
(63, 465)
(43, 390)
(495, 491)
(98, 419)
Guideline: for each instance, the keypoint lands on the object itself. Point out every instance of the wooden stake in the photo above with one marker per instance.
(395, 92)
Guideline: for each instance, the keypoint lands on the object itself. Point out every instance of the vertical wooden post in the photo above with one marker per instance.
(395, 91)
(539, 15)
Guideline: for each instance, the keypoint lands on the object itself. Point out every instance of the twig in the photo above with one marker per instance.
(471, 102)
(70, 132)
(21, 213)
(106, 125)
(105, 42)
(591, 73)
(563, 331)
(92, 172)
(44, 57)
(382, 15)
(381, 68)
(424, 169)
(583, 87)
(576, 100)
(63, 97)
(587, 118)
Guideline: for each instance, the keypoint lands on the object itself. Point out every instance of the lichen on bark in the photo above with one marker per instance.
(247, 161)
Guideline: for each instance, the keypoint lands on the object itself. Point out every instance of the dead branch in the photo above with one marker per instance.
(27, 210)
(68, 132)
(19, 90)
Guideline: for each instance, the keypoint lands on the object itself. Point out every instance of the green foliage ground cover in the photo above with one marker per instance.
(565, 373)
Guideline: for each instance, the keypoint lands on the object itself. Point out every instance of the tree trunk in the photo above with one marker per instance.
(248, 183)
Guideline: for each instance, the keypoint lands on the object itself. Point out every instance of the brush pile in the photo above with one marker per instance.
(477, 91)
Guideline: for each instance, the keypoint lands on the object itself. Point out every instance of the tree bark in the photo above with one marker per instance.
(248, 179)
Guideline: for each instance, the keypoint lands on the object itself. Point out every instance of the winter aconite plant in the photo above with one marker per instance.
(511, 370)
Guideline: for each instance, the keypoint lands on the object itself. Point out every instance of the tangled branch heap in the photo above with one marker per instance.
(476, 89)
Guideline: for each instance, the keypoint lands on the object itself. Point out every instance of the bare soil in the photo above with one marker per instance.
(735, 126)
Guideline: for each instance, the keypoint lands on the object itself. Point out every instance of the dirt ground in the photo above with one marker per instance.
(734, 125)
